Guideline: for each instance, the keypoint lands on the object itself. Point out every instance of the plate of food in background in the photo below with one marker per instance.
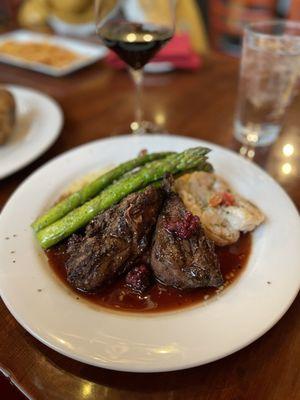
(30, 122)
(48, 54)
(149, 253)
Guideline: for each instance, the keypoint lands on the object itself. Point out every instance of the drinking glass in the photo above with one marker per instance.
(135, 30)
(269, 80)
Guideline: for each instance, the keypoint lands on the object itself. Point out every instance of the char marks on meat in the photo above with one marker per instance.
(183, 261)
(113, 241)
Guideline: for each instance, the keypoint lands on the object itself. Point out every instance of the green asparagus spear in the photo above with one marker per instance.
(91, 190)
(151, 172)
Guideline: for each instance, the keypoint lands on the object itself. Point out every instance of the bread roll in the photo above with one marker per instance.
(33, 13)
(7, 114)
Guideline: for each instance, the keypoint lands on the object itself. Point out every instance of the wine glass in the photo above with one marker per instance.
(135, 30)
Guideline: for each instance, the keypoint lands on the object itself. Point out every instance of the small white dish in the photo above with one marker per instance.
(89, 52)
(158, 67)
(39, 120)
(64, 28)
(44, 306)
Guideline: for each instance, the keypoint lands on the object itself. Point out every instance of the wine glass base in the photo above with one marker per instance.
(247, 152)
(256, 135)
(145, 127)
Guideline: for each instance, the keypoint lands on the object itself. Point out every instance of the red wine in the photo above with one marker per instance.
(134, 43)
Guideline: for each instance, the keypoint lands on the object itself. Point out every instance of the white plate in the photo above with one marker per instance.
(159, 67)
(156, 342)
(90, 52)
(64, 28)
(38, 124)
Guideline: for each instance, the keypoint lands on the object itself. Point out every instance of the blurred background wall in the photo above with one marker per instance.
(227, 18)
(216, 24)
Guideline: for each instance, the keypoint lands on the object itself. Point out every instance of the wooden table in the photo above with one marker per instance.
(98, 102)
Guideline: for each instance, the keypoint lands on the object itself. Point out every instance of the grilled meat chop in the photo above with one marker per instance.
(113, 241)
(182, 256)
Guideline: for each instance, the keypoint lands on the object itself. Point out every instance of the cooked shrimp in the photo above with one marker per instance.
(223, 213)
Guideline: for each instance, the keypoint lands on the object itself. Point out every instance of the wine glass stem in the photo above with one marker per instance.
(137, 76)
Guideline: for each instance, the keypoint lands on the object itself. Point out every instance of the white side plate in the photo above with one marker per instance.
(38, 124)
(155, 342)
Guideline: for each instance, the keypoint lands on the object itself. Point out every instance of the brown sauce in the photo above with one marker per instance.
(118, 296)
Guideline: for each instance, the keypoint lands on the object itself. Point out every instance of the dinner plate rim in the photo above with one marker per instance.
(48, 141)
(157, 368)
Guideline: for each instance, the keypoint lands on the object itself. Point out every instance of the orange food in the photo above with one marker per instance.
(215, 200)
(223, 198)
(39, 52)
